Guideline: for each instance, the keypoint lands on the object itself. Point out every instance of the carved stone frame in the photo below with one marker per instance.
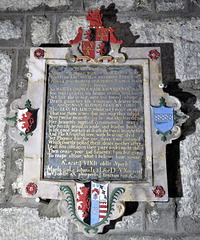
(155, 149)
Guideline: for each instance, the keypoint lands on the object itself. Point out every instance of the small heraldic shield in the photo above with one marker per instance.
(92, 202)
(163, 118)
(25, 120)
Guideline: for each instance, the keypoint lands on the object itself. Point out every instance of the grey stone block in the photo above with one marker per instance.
(79, 236)
(135, 222)
(178, 31)
(40, 30)
(25, 224)
(168, 5)
(23, 58)
(16, 168)
(67, 27)
(6, 70)
(189, 205)
(156, 237)
(160, 221)
(14, 5)
(193, 237)
(6, 60)
(189, 225)
(122, 6)
(11, 30)
(170, 205)
(21, 79)
(194, 5)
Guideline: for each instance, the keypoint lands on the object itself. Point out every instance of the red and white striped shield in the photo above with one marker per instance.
(92, 202)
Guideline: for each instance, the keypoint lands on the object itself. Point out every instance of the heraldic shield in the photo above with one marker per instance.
(163, 118)
(94, 41)
(91, 202)
(25, 120)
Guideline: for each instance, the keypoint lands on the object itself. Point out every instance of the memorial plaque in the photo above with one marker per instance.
(95, 123)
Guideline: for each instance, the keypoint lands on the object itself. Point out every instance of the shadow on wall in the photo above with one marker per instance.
(123, 32)
(130, 208)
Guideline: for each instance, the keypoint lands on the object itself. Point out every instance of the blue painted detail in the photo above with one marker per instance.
(163, 118)
(94, 213)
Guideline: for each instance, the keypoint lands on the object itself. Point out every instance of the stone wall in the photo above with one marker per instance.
(171, 24)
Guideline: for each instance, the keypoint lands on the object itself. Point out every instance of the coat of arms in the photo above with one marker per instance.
(92, 202)
(25, 120)
(164, 119)
(94, 41)
(91, 206)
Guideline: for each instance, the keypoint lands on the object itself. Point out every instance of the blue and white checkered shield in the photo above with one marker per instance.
(163, 118)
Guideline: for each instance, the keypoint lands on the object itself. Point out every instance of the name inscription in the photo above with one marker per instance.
(94, 123)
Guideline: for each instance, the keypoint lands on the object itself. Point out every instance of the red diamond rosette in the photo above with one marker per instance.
(39, 53)
(154, 54)
(31, 188)
(158, 191)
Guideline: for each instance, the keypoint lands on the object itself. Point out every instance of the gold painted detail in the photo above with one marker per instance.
(109, 59)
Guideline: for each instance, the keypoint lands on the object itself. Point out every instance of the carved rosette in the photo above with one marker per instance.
(31, 188)
(154, 55)
(39, 53)
(158, 191)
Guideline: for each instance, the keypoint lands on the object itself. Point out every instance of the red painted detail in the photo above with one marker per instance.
(101, 49)
(31, 188)
(27, 121)
(154, 54)
(112, 37)
(95, 190)
(39, 53)
(103, 211)
(78, 37)
(102, 206)
(88, 34)
(102, 34)
(97, 32)
(79, 60)
(88, 48)
(94, 17)
(158, 191)
(83, 197)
